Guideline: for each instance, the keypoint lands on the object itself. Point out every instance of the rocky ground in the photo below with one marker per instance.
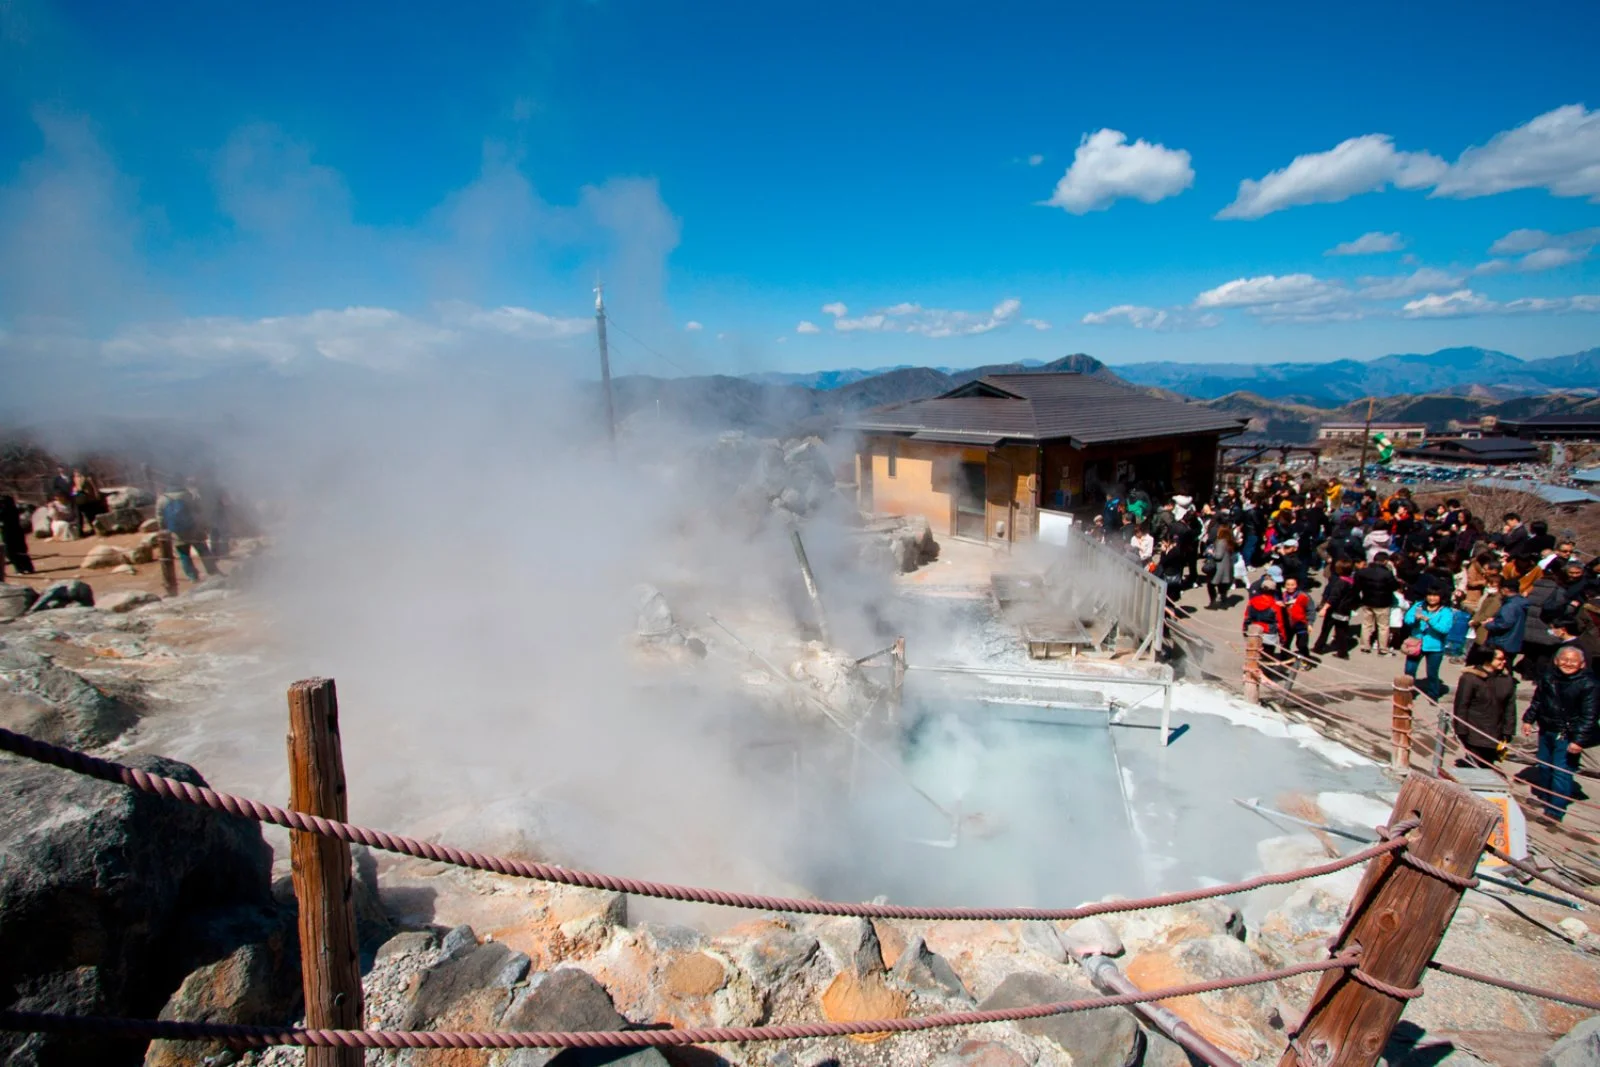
(129, 905)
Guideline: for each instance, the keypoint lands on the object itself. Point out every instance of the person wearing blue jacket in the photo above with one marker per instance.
(1430, 621)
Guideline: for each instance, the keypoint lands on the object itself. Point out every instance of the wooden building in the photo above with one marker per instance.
(981, 460)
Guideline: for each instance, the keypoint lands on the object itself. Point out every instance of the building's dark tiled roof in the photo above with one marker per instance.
(1042, 407)
(1486, 446)
(1556, 419)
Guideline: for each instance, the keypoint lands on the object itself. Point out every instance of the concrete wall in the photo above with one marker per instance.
(921, 484)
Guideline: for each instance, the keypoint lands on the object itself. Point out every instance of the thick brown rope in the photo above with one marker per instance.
(1515, 987)
(200, 796)
(1534, 872)
(262, 1036)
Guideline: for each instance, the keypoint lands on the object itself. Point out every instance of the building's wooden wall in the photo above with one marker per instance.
(921, 485)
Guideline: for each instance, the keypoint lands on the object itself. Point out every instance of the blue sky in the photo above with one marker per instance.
(208, 182)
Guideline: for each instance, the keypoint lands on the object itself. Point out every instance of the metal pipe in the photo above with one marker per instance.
(811, 584)
(1063, 676)
(1108, 978)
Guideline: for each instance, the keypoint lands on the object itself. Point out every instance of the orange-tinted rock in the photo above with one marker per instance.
(1236, 1020)
(854, 998)
(695, 975)
(891, 941)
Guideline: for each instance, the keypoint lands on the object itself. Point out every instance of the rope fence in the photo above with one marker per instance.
(1395, 842)
(243, 807)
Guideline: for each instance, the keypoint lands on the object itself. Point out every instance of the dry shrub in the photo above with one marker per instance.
(1580, 522)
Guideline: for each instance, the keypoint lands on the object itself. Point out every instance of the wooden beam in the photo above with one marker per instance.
(1397, 919)
(330, 965)
(169, 563)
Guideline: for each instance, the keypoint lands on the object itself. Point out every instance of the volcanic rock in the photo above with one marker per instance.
(117, 521)
(981, 1054)
(1091, 937)
(54, 704)
(928, 972)
(121, 603)
(775, 957)
(257, 983)
(1108, 1038)
(103, 558)
(570, 999)
(99, 883)
(1580, 1048)
(15, 600)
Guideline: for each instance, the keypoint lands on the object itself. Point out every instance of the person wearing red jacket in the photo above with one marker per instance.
(1296, 605)
(1265, 612)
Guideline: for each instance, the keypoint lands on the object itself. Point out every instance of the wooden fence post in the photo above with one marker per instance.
(1400, 724)
(330, 967)
(1252, 665)
(1396, 919)
(169, 563)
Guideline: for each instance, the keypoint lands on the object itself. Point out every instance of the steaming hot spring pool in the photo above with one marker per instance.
(1058, 805)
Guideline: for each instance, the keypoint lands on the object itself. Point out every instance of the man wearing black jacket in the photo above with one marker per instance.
(1564, 708)
(1376, 586)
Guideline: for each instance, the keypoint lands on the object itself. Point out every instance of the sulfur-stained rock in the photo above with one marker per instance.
(250, 986)
(570, 999)
(1579, 1048)
(695, 975)
(852, 943)
(853, 997)
(1239, 1021)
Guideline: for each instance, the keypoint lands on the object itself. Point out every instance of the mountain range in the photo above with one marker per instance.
(1451, 371)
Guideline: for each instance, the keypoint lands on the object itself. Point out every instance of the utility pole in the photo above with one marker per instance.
(1366, 434)
(605, 364)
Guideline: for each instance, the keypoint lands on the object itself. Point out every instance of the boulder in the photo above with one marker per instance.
(853, 943)
(141, 554)
(54, 704)
(99, 891)
(1103, 1038)
(117, 521)
(122, 603)
(776, 957)
(257, 984)
(981, 1054)
(1091, 937)
(453, 987)
(40, 522)
(408, 943)
(652, 616)
(129, 496)
(1579, 1048)
(150, 526)
(15, 600)
(64, 594)
(570, 999)
(103, 558)
(928, 972)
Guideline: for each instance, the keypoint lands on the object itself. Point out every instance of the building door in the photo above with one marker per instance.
(972, 494)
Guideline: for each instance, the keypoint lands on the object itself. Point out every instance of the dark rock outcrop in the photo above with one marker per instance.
(54, 704)
(110, 897)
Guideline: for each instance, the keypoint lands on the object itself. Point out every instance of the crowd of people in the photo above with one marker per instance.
(1324, 570)
(197, 518)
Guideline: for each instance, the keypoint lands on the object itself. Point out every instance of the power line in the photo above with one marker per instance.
(615, 325)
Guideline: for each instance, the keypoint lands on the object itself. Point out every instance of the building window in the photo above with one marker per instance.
(894, 454)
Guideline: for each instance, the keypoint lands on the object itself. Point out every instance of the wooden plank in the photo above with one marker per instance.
(330, 966)
(169, 563)
(1397, 919)
(1400, 725)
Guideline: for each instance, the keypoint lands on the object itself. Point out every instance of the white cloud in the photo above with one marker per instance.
(1466, 302)
(807, 327)
(1358, 165)
(373, 337)
(1037, 324)
(519, 322)
(1035, 159)
(693, 325)
(836, 309)
(1266, 289)
(908, 317)
(1558, 151)
(1106, 168)
(1421, 280)
(1539, 250)
(1368, 244)
(1550, 258)
(1149, 318)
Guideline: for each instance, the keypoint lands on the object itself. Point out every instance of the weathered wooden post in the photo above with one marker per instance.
(898, 684)
(169, 563)
(811, 585)
(1400, 724)
(330, 966)
(1252, 665)
(1397, 919)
